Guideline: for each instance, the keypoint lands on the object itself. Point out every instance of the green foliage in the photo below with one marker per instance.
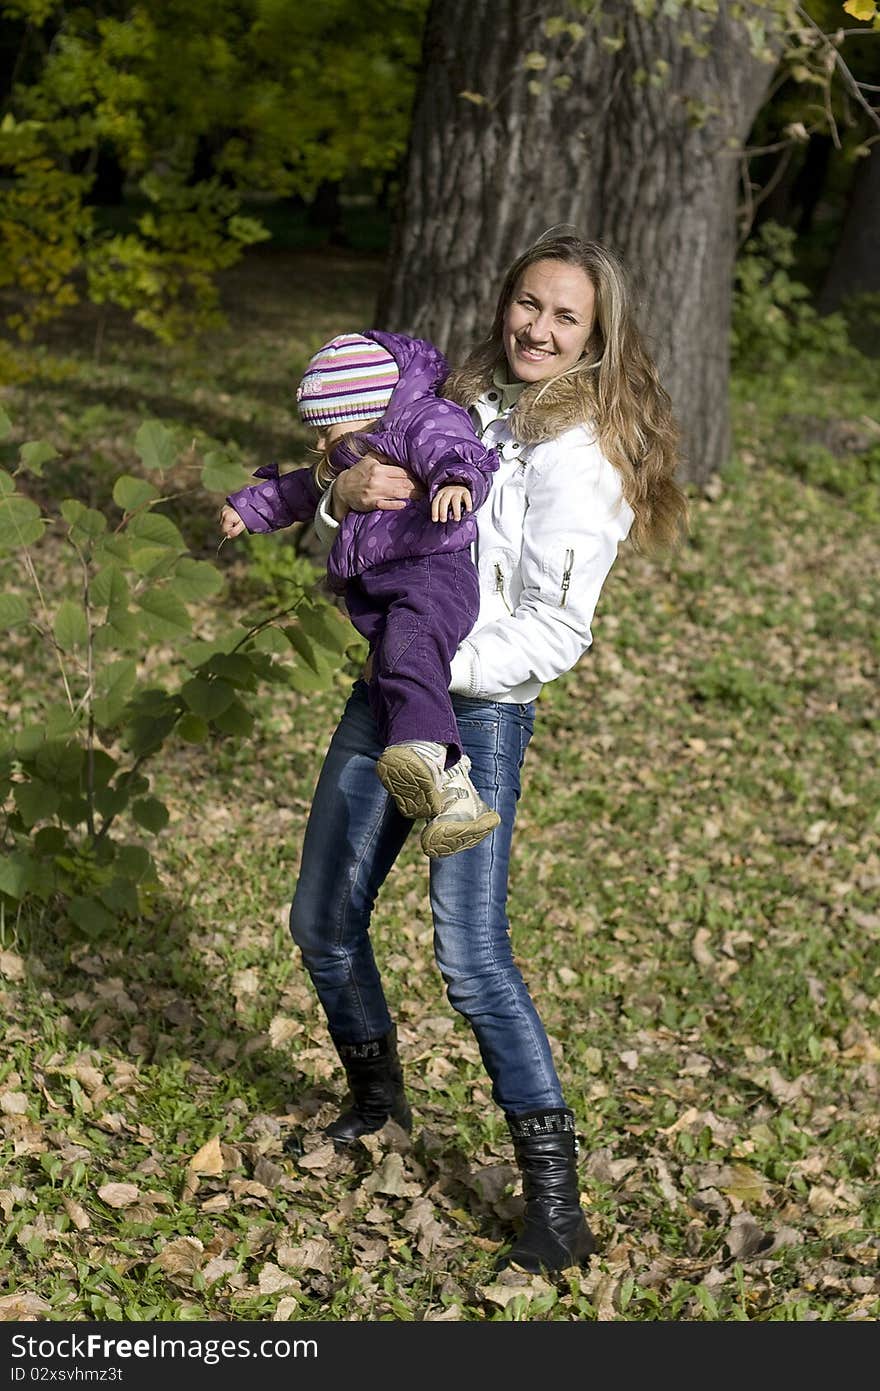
(131, 679)
(773, 319)
(199, 105)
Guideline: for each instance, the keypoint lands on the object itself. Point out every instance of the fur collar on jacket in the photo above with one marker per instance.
(563, 404)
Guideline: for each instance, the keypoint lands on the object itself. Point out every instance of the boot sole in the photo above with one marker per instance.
(404, 776)
(449, 837)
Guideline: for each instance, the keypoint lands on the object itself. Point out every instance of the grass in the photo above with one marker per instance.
(694, 898)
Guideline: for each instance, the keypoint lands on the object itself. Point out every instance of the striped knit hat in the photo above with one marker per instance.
(350, 378)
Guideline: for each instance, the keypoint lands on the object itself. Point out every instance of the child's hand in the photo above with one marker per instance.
(454, 497)
(230, 523)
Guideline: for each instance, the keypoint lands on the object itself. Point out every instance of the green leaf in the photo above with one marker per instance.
(91, 916)
(116, 684)
(150, 813)
(70, 627)
(271, 639)
(236, 719)
(146, 733)
(35, 801)
(165, 614)
(129, 493)
(326, 627)
(118, 546)
(50, 840)
(59, 720)
(86, 524)
(121, 897)
(301, 645)
(305, 681)
(196, 579)
(73, 810)
(156, 529)
(111, 801)
(103, 767)
(236, 668)
(152, 561)
(135, 862)
(35, 454)
(7, 483)
(59, 761)
(155, 445)
(193, 729)
(18, 874)
(20, 521)
(13, 610)
(207, 698)
(28, 739)
(109, 588)
(221, 475)
(122, 628)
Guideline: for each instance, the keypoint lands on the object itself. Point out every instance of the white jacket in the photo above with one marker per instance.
(547, 537)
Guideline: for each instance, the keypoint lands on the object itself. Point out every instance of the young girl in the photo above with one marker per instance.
(410, 587)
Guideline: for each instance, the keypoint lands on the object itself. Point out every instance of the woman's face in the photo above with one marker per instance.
(548, 320)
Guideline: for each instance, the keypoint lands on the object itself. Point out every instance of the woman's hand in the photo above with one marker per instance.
(230, 523)
(454, 496)
(372, 484)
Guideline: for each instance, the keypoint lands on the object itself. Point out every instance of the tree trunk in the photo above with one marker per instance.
(639, 156)
(855, 266)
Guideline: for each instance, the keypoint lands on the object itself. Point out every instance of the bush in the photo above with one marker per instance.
(132, 677)
(773, 320)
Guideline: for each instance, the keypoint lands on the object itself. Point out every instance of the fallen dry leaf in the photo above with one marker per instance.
(23, 1306)
(314, 1254)
(77, 1214)
(209, 1159)
(272, 1279)
(390, 1178)
(11, 965)
(13, 1103)
(285, 1309)
(119, 1194)
(183, 1256)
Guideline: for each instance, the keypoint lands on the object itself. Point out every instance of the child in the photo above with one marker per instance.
(410, 586)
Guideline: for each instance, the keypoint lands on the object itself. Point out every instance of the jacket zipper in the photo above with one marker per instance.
(566, 577)
(499, 586)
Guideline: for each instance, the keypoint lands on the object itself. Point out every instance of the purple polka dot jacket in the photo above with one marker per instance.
(432, 439)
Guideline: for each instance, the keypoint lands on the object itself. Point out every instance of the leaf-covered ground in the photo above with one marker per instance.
(694, 900)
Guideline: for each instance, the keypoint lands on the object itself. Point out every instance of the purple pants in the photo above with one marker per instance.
(414, 613)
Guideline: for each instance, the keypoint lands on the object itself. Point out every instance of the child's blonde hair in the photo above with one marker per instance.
(323, 469)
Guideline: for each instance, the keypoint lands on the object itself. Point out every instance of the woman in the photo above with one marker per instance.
(565, 393)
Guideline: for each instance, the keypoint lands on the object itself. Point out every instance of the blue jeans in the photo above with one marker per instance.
(353, 837)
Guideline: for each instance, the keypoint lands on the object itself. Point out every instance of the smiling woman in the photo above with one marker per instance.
(568, 402)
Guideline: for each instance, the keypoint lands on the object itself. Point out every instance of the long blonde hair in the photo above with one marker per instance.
(617, 382)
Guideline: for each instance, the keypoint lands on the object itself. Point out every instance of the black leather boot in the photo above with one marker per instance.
(555, 1234)
(375, 1081)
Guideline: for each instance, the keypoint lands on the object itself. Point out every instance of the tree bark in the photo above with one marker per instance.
(855, 265)
(640, 156)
